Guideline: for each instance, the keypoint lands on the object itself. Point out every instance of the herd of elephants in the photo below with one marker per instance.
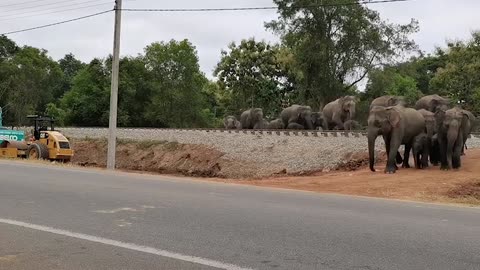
(434, 130)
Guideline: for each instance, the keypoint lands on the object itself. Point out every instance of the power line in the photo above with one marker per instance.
(22, 3)
(57, 23)
(258, 8)
(42, 5)
(48, 9)
(8, 18)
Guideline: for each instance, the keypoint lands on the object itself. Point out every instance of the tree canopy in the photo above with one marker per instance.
(335, 46)
(324, 51)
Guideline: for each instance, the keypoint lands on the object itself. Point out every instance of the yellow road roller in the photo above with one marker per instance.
(43, 143)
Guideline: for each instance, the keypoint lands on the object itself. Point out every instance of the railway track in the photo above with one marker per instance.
(278, 132)
(272, 132)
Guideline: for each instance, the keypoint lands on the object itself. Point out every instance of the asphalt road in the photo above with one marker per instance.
(55, 218)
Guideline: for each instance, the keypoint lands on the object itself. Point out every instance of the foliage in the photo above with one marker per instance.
(87, 103)
(251, 76)
(28, 79)
(404, 86)
(56, 113)
(176, 84)
(335, 46)
(460, 78)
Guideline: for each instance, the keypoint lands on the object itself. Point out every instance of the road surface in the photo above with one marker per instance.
(63, 218)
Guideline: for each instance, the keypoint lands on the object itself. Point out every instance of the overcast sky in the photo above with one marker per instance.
(209, 32)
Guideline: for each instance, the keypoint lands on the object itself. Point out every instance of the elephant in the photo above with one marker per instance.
(435, 151)
(297, 117)
(432, 103)
(430, 130)
(339, 111)
(352, 125)
(276, 124)
(468, 129)
(451, 126)
(397, 125)
(252, 119)
(421, 150)
(387, 101)
(230, 122)
(319, 121)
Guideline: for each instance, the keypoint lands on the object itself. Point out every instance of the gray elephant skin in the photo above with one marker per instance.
(276, 124)
(430, 130)
(252, 119)
(230, 122)
(339, 111)
(468, 129)
(397, 125)
(387, 101)
(432, 103)
(421, 150)
(297, 117)
(451, 126)
(319, 121)
(352, 125)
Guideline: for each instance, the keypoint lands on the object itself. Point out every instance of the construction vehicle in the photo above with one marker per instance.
(43, 143)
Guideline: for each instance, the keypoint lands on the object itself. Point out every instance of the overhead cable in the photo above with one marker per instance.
(57, 23)
(366, 2)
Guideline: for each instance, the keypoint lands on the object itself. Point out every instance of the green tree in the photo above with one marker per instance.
(176, 83)
(460, 78)
(252, 76)
(56, 113)
(29, 79)
(335, 46)
(87, 103)
(404, 86)
(70, 67)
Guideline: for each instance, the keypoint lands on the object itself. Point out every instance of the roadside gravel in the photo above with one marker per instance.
(270, 153)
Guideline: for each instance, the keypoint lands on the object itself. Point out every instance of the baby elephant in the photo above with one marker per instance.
(421, 150)
(276, 124)
(230, 122)
(352, 125)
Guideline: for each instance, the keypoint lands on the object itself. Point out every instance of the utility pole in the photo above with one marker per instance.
(112, 126)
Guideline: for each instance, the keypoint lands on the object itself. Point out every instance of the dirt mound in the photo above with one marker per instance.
(359, 160)
(466, 191)
(162, 157)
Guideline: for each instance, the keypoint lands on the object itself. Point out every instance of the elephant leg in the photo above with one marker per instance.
(425, 154)
(406, 155)
(443, 155)
(457, 152)
(338, 122)
(434, 154)
(399, 158)
(295, 126)
(416, 158)
(395, 142)
(386, 139)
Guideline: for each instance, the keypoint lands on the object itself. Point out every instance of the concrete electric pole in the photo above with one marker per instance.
(112, 126)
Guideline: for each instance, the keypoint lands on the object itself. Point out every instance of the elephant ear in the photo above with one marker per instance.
(393, 117)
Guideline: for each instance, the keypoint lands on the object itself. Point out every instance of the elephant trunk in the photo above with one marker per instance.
(308, 122)
(372, 136)
(351, 114)
(324, 124)
(452, 135)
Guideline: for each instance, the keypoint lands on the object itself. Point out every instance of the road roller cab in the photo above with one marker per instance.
(46, 143)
